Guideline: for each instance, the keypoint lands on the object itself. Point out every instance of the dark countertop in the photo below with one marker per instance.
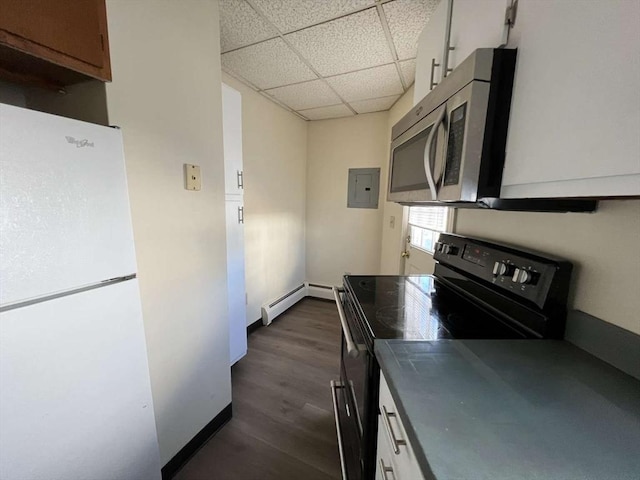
(513, 409)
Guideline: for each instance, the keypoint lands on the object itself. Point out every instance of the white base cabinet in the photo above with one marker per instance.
(574, 128)
(395, 456)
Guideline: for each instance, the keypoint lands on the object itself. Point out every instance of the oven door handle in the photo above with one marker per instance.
(334, 396)
(352, 348)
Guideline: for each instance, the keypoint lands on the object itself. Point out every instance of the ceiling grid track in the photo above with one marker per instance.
(379, 91)
(304, 60)
(392, 47)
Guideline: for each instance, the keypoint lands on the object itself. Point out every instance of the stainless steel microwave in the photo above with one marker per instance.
(450, 147)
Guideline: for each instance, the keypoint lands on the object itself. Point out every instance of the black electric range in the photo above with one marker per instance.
(478, 290)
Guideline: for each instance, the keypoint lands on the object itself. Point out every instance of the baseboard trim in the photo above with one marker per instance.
(252, 327)
(179, 459)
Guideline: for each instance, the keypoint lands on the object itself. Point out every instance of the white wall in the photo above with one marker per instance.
(274, 147)
(341, 239)
(166, 98)
(393, 234)
(603, 247)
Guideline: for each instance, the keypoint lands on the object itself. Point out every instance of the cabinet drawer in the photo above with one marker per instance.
(391, 431)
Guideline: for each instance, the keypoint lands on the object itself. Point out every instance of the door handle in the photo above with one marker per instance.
(384, 469)
(427, 153)
(395, 441)
(405, 254)
(433, 83)
(352, 348)
(334, 397)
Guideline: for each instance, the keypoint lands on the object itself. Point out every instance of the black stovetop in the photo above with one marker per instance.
(419, 307)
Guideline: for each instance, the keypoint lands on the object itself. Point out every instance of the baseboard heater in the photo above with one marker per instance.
(320, 291)
(281, 304)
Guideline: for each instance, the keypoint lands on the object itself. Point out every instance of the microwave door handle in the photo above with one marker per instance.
(427, 154)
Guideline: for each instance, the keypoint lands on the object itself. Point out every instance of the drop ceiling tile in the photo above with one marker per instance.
(408, 68)
(321, 113)
(371, 83)
(268, 64)
(290, 15)
(305, 95)
(406, 19)
(349, 43)
(240, 25)
(374, 104)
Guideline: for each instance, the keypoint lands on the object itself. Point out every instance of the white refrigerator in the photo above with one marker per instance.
(75, 394)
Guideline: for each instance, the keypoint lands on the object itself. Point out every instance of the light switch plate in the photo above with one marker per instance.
(192, 177)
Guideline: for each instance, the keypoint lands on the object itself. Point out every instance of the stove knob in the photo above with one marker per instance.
(502, 269)
(522, 276)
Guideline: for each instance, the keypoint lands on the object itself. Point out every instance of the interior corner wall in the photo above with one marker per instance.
(274, 150)
(603, 247)
(166, 97)
(394, 215)
(341, 239)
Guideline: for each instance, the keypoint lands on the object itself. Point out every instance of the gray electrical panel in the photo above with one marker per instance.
(364, 187)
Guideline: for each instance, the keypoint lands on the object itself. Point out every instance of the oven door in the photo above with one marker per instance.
(350, 393)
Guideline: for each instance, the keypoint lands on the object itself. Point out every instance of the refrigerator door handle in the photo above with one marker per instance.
(65, 293)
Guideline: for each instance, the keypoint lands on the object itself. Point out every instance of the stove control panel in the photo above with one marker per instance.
(526, 274)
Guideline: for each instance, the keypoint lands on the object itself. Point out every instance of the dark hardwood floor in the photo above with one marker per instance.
(282, 426)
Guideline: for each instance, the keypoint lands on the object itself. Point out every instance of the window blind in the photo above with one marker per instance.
(433, 218)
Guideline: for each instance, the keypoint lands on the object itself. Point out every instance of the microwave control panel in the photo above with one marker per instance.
(455, 143)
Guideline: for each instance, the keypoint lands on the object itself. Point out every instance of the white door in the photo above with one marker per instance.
(232, 140)
(574, 123)
(235, 280)
(430, 52)
(64, 205)
(75, 395)
(423, 227)
(476, 24)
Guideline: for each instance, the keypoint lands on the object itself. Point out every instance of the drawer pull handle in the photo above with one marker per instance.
(384, 469)
(395, 442)
(334, 396)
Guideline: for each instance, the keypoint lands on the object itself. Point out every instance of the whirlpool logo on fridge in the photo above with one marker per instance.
(79, 143)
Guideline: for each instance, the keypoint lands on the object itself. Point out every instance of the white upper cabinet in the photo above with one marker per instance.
(476, 24)
(430, 51)
(232, 139)
(574, 128)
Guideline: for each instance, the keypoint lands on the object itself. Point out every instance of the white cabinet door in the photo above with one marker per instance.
(476, 24)
(64, 205)
(402, 465)
(232, 140)
(575, 115)
(75, 394)
(430, 50)
(235, 280)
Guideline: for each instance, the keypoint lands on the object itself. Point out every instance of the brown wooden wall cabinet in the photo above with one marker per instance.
(53, 43)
